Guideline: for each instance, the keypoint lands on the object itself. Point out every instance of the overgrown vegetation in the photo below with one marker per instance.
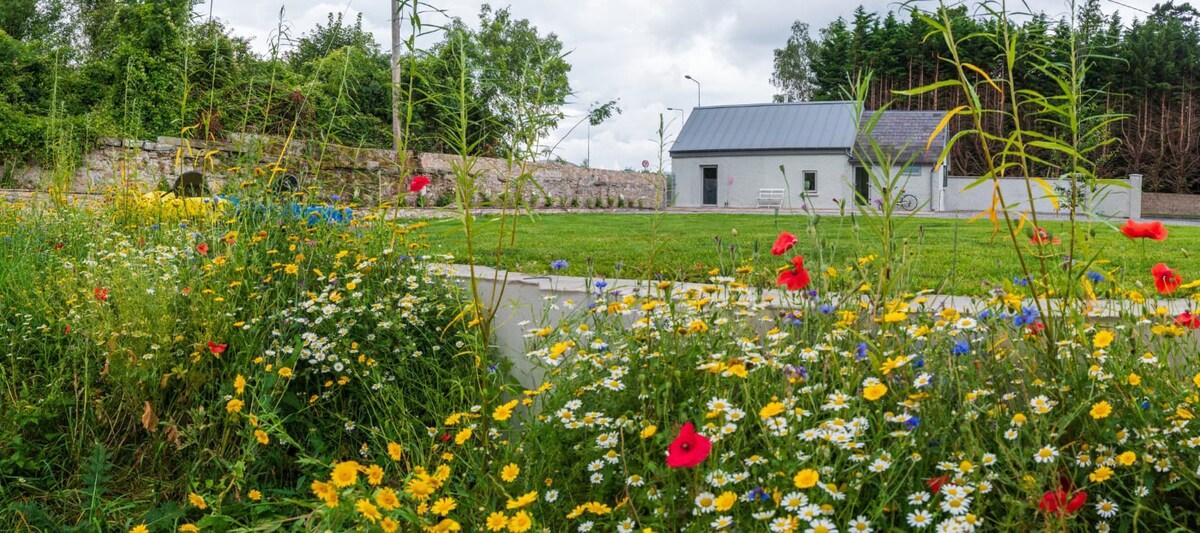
(75, 70)
(1146, 68)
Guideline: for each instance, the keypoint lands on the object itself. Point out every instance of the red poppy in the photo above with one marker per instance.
(1165, 279)
(688, 449)
(215, 348)
(1154, 231)
(418, 183)
(203, 249)
(101, 293)
(783, 243)
(1036, 328)
(58, 246)
(1041, 236)
(1055, 501)
(1188, 320)
(445, 437)
(936, 483)
(797, 277)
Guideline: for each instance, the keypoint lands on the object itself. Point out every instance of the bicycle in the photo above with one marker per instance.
(907, 202)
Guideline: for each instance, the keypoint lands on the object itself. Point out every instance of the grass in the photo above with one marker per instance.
(951, 256)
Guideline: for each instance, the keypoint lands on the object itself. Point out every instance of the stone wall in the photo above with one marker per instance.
(361, 175)
(1166, 204)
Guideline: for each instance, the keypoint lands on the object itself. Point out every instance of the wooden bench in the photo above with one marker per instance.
(770, 197)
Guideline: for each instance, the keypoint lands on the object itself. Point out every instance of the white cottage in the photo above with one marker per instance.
(731, 156)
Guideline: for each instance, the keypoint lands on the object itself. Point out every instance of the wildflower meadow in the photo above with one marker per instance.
(258, 361)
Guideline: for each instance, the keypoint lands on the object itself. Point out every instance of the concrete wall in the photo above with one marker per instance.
(1168, 205)
(740, 177)
(362, 175)
(1110, 201)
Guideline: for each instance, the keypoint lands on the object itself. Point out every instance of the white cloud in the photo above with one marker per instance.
(635, 50)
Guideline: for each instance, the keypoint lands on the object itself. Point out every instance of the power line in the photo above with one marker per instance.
(1130, 7)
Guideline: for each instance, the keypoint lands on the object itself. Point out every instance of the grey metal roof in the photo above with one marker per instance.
(802, 126)
(904, 132)
(761, 127)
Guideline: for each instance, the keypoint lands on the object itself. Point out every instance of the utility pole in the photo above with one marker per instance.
(396, 132)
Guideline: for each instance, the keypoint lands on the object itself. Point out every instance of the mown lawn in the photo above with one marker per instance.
(952, 256)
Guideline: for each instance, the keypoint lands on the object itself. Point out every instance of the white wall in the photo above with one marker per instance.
(740, 177)
(1112, 201)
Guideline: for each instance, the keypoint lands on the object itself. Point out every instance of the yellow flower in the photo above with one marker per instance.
(806, 478)
(443, 506)
(504, 412)
(368, 510)
(387, 500)
(197, 501)
(389, 525)
(234, 406)
(649, 431)
(394, 451)
(725, 501)
(497, 521)
(462, 436)
(188, 528)
(345, 473)
(254, 495)
(1101, 474)
(285, 372)
(419, 487)
(1196, 380)
(770, 410)
(520, 522)
(894, 316)
(261, 436)
(1101, 410)
(1102, 339)
(291, 269)
(1127, 458)
(327, 492)
(1018, 419)
(140, 528)
(374, 474)
(1134, 379)
(445, 526)
(737, 369)
(875, 392)
(522, 500)
(510, 472)
(239, 384)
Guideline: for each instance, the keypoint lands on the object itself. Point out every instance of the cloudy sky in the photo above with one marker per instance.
(634, 50)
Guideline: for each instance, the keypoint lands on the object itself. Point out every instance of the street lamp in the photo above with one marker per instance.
(680, 113)
(697, 82)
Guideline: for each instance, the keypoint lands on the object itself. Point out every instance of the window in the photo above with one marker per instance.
(810, 181)
(911, 171)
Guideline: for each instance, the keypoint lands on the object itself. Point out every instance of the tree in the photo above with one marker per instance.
(31, 20)
(793, 74)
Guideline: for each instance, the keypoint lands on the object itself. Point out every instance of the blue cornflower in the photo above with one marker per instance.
(861, 351)
(601, 284)
(913, 421)
(985, 314)
(960, 348)
(154, 226)
(1023, 282)
(1095, 277)
(919, 363)
(559, 264)
(1028, 316)
(825, 309)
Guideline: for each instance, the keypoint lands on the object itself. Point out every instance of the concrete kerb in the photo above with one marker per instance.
(548, 299)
